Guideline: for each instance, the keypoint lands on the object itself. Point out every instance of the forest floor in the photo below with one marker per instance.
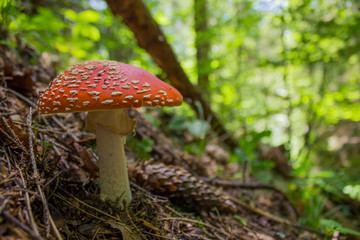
(49, 178)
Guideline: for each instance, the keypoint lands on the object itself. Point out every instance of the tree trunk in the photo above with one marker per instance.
(150, 37)
(202, 45)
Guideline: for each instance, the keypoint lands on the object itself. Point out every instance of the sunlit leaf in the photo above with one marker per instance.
(333, 225)
(62, 47)
(77, 52)
(198, 128)
(161, 18)
(70, 14)
(353, 191)
(90, 31)
(89, 16)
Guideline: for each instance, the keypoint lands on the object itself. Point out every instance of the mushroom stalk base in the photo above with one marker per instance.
(114, 180)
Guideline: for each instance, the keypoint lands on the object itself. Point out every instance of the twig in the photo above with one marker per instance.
(93, 215)
(8, 178)
(156, 198)
(36, 173)
(97, 231)
(132, 222)
(3, 204)
(150, 195)
(25, 190)
(80, 209)
(56, 145)
(32, 155)
(159, 236)
(87, 205)
(64, 128)
(53, 226)
(28, 205)
(259, 211)
(7, 159)
(208, 234)
(250, 185)
(48, 219)
(14, 137)
(196, 236)
(196, 222)
(25, 99)
(22, 97)
(52, 179)
(9, 217)
(273, 217)
(174, 211)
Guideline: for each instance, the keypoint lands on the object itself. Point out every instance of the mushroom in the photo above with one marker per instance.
(103, 89)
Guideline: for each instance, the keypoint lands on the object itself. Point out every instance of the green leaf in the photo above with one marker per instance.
(336, 226)
(46, 144)
(177, 123)
(242, 221)
(61, 47)
(161, 18)
(198, 128)
(79, 53)
(89, 16)
(353, 191)
(70, 15)
(90, 32)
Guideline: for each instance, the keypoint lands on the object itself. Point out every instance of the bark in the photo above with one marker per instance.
(202, 45)
(150, 37)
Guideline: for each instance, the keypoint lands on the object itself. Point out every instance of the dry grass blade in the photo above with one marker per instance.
(87, 205)
(65, 128)
(28, 205)
(13, 136)
(199, 223)
(20, 225)
(22, 97)
(48, 219)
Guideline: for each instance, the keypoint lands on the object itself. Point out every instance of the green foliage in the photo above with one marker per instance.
(247, 155)
(353, 191)
(141, 148)
(332, 226)
(312, 212)
(6, 11)
(46, 145)
(242, 221)
(73, 35)
(198, 129)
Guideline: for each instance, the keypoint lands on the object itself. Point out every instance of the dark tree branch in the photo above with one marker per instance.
(150, 37)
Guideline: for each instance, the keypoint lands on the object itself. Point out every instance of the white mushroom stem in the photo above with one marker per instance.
(111, 128)
(114, 180)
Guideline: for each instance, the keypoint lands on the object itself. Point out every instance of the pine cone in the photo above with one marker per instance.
(180, 186)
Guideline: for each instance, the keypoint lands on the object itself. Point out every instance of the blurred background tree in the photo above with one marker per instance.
(277, 72)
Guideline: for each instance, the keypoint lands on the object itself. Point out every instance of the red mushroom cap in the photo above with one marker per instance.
(101, 85)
